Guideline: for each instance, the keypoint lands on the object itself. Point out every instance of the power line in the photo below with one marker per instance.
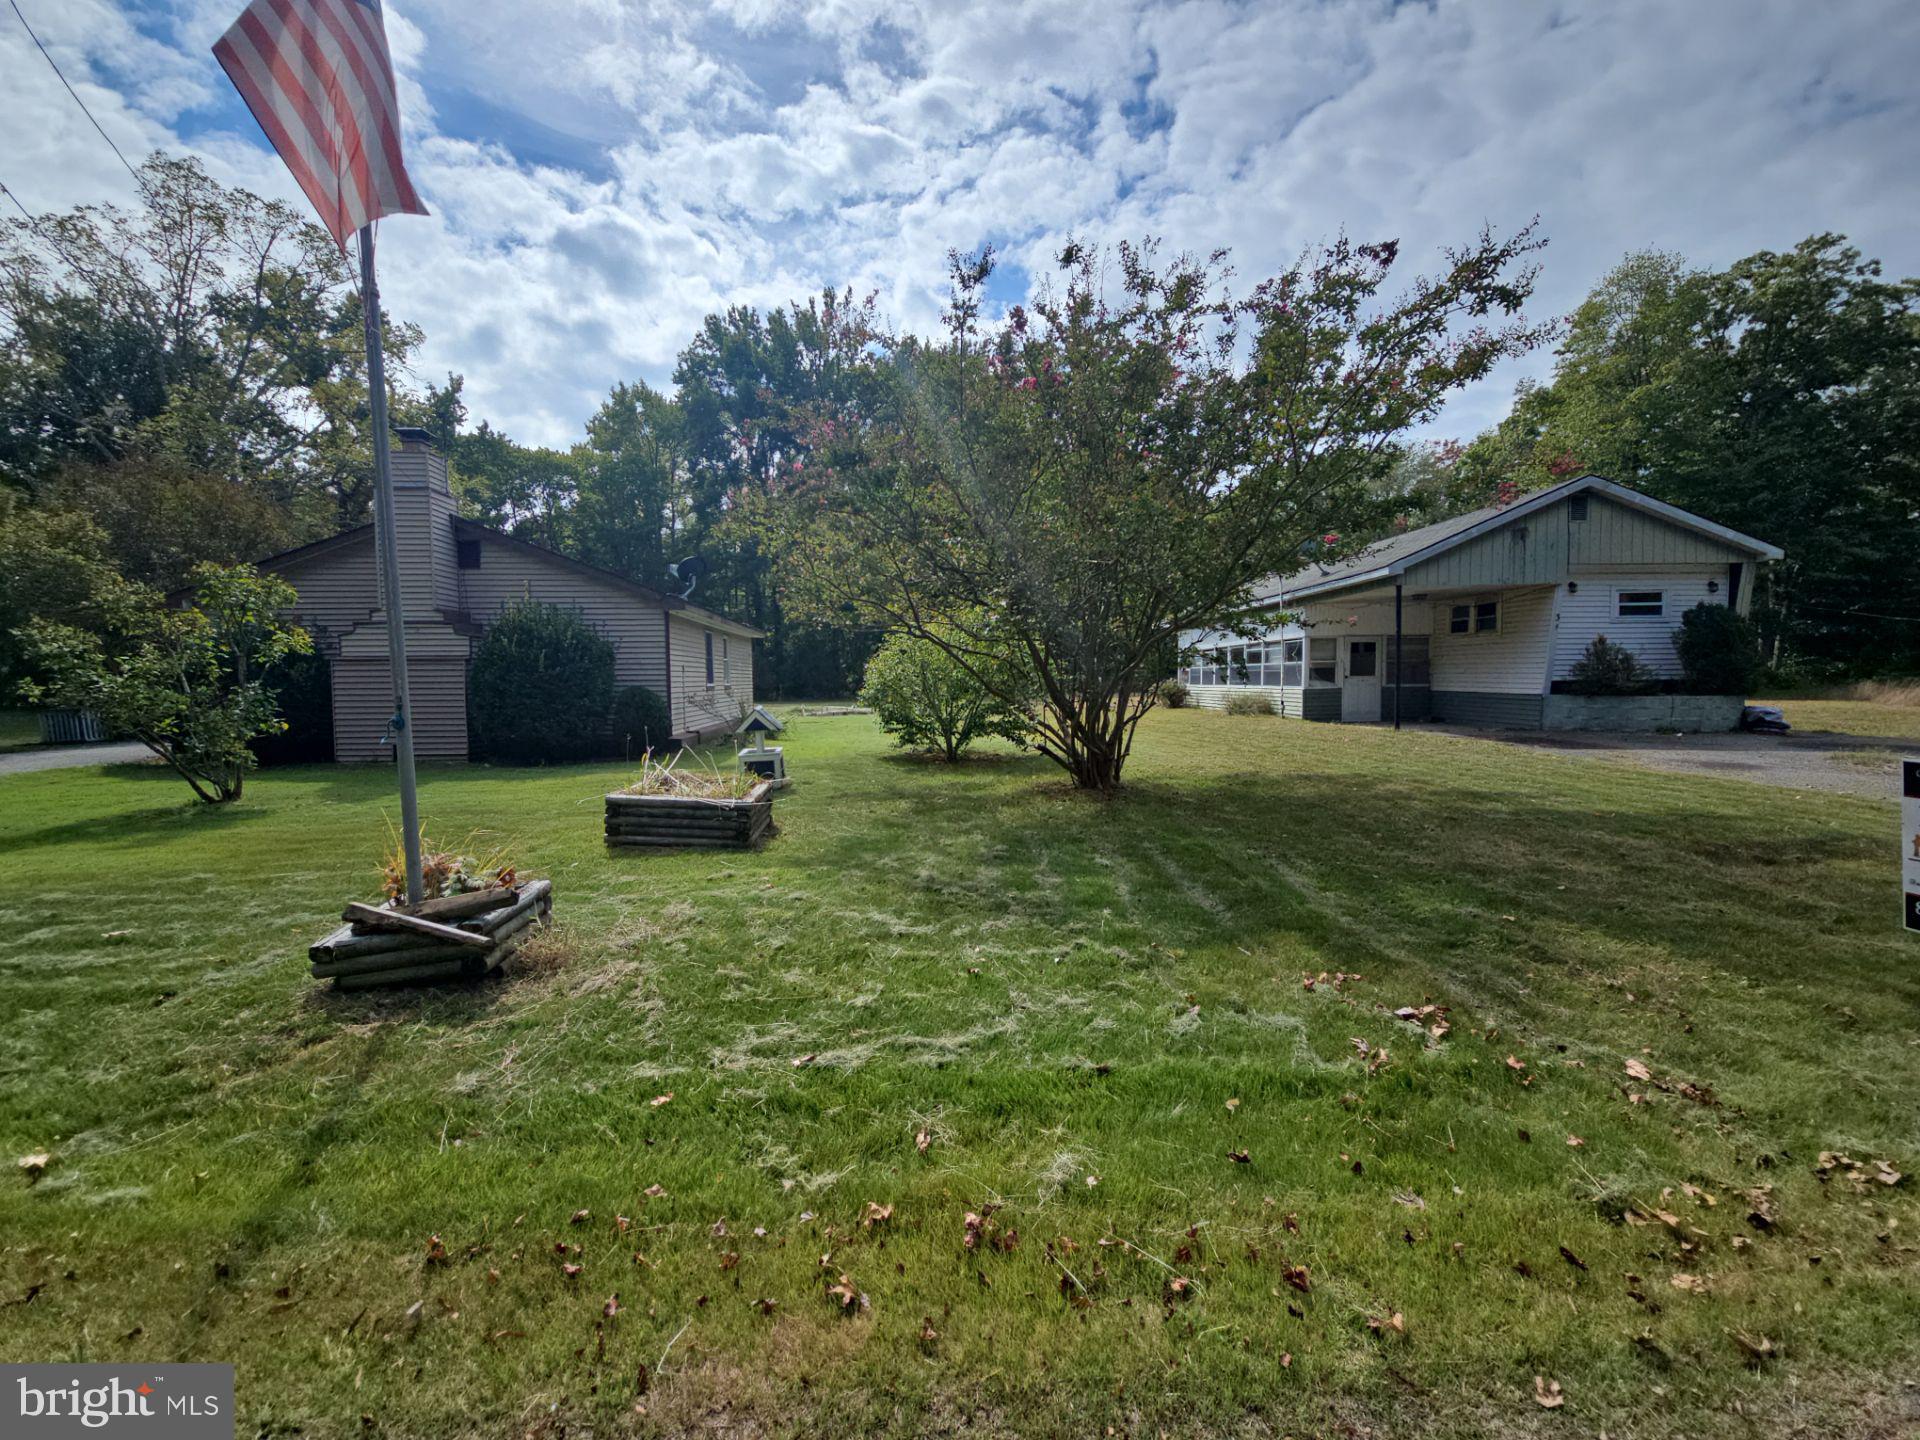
(76, 96)
(25, 213)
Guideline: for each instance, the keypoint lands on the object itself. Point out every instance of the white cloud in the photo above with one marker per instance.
(627, 166)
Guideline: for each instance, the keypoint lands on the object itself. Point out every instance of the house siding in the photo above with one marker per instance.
(1616, 535)
(1511, 661)
(700, 709)
(363, 703)
(1490, 709)
(1590, 610)
(337, 591)
(628, 622)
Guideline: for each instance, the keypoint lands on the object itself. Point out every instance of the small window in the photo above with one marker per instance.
(1362, 659)
(709, 657)
(1291, 652)
(1323, 666)
(1577, 508)
(469, 554)
(1460, 622)
(1486, 616)
(1641, 602)
(726, 661)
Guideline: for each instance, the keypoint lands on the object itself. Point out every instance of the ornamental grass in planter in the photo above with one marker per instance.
(670, 805)
(471, 917)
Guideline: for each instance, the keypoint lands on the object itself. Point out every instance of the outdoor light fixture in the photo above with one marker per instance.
(1573, 587)
(1713, 587)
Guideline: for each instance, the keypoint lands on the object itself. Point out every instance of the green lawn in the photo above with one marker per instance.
(1066, 998)
(1849, 717)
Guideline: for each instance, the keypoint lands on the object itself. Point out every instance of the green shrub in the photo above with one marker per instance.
(193, 684)
(302, 688)
(1719, 651)
(540, 688)
(1605, 668)
(1249, 703)
(640, 721)
(927, 700)
(1174, 694)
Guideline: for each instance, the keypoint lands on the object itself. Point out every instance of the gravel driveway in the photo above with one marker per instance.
(1866, 765)
(64, 757)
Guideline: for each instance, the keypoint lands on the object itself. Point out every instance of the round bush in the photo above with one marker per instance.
(1174, 693)
(1719, 652)
(640, 721)
(540, 687)
(927, 700)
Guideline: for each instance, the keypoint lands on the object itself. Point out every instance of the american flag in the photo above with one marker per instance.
(315, 74)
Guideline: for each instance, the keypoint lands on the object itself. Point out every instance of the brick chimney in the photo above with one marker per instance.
(423, 513)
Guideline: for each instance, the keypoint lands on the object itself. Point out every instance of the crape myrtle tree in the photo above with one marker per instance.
(1079, 482)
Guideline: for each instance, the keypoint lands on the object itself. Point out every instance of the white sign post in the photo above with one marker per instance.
(1910, 844)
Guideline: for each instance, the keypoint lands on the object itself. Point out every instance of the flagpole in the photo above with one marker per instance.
(390, 569)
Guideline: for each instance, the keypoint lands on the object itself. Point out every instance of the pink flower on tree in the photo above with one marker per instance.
(1029, 383)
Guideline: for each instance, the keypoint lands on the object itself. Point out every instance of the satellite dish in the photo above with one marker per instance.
(688, 572)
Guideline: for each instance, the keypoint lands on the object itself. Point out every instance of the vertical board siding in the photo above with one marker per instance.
(1590, 611)
(1530, 550)
(629, 622)
(1614, 534)
(1512, 661)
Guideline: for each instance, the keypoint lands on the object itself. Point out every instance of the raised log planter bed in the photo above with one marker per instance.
(448, 939)
(641, 821)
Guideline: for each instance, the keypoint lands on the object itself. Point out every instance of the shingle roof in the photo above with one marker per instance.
(1391, 555)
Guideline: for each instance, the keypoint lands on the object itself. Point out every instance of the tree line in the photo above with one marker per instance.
(1047, 495)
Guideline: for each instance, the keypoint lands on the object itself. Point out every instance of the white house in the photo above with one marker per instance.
(1488, 612)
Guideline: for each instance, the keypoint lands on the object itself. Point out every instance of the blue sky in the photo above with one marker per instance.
(605, 172)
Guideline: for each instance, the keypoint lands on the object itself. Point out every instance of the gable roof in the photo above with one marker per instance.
(1393, 556)
(473, 529)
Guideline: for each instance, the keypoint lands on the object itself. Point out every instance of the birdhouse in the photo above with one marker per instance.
(760, 721)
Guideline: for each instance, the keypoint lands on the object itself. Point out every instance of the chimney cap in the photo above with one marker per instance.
(416, 435)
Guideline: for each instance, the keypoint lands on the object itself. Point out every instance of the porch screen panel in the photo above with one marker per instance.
(1323, 666)
(1290, 654)
(1418, 658)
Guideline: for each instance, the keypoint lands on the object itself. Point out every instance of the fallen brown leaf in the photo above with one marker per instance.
(1547, 1393)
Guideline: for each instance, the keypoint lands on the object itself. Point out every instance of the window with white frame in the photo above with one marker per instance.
(1291, 652)
(1631, 603)
(726, 662)
(1323, 662)
(1476, 617)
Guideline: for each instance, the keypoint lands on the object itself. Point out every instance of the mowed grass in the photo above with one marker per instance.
(1083, 1006)
(1851, 717)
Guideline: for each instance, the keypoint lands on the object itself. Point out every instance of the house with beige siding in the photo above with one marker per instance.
(1479, 620)
(456, 575)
